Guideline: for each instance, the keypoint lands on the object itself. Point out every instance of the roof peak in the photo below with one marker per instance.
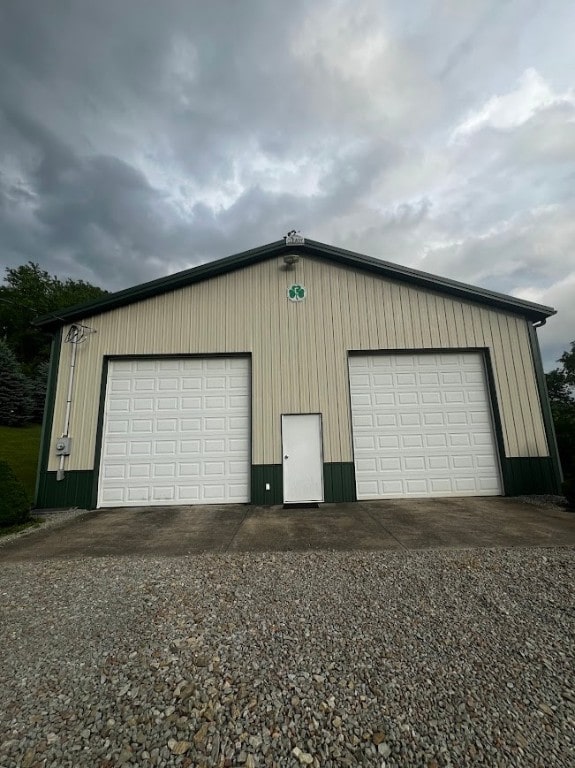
(534, 312)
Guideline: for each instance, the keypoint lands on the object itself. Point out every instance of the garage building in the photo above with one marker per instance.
(296, 372)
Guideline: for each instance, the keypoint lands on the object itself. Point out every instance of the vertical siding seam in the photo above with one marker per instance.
(427, 326)
(442, 324)
(418, 338)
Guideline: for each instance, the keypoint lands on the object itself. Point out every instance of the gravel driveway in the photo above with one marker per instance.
(327, 659)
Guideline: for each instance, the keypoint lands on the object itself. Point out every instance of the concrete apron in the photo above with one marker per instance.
(398, 525)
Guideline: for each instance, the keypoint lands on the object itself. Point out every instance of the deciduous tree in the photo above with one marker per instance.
(30, 291)
(561, 387)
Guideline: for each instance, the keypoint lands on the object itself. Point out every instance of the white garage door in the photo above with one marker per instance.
(422, 426)
(176, 431)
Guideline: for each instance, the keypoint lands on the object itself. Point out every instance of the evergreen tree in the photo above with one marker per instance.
(16, 403)
(39, 383)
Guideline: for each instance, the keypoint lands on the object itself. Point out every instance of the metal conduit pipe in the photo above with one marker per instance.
(73, 338)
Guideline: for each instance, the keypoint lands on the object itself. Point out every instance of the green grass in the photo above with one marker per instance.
(19, 446)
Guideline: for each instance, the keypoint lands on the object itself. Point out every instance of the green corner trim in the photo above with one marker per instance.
(546, 409)
(525, 475)
(48, 419)
(271, 474)
(339, 482)
(75, 490)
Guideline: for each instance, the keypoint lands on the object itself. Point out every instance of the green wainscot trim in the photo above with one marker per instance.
(75, 490)
(339, 482)
(263, 474)
(525, 475)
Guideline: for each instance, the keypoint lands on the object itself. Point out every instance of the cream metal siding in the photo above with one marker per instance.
(299, 350)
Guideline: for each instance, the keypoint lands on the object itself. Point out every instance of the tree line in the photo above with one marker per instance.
(27, 293)
(561, 388)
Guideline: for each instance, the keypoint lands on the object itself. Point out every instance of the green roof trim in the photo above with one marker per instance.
(535, 312)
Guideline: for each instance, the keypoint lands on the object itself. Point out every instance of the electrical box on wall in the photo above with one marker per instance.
(63, 445)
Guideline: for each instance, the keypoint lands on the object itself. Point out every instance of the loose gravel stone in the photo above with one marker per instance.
(433, 659)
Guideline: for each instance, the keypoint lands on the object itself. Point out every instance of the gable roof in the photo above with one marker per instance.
(532, 311)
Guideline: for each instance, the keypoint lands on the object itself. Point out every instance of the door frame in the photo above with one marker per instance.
(321, 454)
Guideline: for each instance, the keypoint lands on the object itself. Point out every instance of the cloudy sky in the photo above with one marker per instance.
(140, 138)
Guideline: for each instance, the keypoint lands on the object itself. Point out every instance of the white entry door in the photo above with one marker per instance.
(302, 458)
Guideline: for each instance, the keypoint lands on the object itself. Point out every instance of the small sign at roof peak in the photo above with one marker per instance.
(294, 238)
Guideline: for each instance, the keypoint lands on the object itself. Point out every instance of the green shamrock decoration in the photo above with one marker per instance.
(296, 292)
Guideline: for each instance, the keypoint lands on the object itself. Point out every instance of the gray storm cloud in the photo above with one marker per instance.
(142, 138)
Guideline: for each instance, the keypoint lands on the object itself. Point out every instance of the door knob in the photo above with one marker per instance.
(286, 456)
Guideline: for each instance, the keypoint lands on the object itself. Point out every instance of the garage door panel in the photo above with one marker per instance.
(455, 440)
(440, 485)
(384, 419)
(137, 471)
(190, 425)
(457, 417)
(118, 425)
(161, 404)
(438, 463)
(382, 379)
(120, 387)
(215, 424)
(144, 385)
(163, 493)
(489, 484)
(164, 470)
(485, 462)
(432, 397)
(193, 444)
(424, 428)
(411, 441)
(434, 419)
(416, 487)
(451, 378)
(164, 425)
(137, 494)
(111, 496)
(157, 448)
(436, 440)
(115, 472)
(191, 383)
(360, 399)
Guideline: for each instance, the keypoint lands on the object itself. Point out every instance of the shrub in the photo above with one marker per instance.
(569, 491)
(14, 504)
